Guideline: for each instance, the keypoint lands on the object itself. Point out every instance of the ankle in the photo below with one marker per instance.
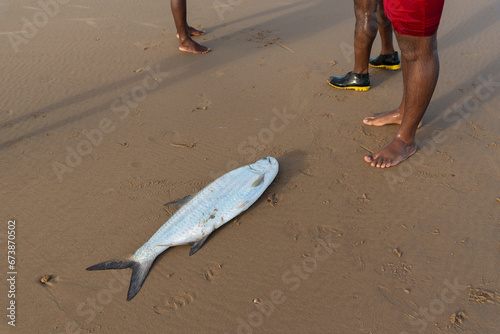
(184, 39)
(408, 140)
(360, 70)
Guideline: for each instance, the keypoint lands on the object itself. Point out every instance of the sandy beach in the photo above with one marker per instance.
(103, 120)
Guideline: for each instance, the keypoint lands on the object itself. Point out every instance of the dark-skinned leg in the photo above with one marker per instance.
(385, 30)
(393, 116)
(365, 32)
(422, 71)
(186, 44)
(388, 58)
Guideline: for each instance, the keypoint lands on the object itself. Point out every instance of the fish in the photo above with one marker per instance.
(199, 215)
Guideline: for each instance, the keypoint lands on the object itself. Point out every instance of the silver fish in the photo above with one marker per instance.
(209, 209)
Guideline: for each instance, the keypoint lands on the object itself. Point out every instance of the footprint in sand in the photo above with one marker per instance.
(204, 103)
(174, 302)
(209, 275)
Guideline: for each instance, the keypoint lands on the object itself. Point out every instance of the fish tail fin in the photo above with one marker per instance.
(113, 264)
(140, 270)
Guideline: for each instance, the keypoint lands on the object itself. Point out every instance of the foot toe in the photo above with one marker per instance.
(367, 120)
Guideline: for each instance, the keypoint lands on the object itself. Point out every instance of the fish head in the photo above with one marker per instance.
(267, 166)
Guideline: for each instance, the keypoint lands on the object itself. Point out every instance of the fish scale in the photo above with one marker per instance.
(212, 207)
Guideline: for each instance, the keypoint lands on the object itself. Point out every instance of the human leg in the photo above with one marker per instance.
(394, 116)
(388, 58)
(365, 31)
(186, 44)
(385, 30)
(422, 70)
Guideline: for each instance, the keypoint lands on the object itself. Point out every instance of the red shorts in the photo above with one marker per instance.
(414, 17)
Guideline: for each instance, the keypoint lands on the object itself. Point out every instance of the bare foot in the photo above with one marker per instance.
(194, 32)
(385, 118)
(392, 153)
(191, 46)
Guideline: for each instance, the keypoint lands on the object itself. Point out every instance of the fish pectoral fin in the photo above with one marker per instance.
(196, 245)
(258, 182)
(179, 201)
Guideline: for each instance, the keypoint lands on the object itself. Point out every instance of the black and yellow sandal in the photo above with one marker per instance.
(358, 82)
(390, 62)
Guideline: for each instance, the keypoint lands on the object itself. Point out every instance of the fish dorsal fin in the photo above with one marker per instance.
(196, 245)
(258, 182)
(180, 201)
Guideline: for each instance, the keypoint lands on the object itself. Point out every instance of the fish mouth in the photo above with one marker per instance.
(273, 163)
(263, 165)
(270, 160)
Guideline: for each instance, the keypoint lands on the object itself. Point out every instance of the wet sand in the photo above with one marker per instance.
(103, 120)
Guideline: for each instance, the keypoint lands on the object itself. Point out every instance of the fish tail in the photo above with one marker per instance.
(140, 270)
